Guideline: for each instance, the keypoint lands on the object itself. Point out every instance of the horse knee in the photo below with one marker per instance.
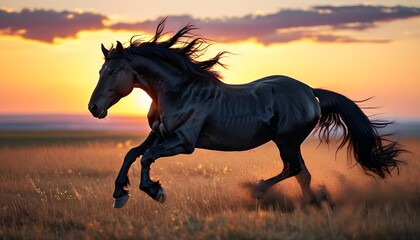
(132, 155)
(148, 158)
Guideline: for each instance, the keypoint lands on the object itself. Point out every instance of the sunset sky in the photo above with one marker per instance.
(50, 50)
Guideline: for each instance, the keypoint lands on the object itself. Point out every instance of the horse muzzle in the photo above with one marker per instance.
(97, 112)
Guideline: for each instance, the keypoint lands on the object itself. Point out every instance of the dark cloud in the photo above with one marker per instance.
(295, 35)
(321, 23)
(287, 25)
(45, 25)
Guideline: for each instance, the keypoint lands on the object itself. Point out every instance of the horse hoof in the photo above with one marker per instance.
(161, 195)
(121, 201)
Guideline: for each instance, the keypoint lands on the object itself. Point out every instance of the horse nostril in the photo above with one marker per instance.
(93, 107)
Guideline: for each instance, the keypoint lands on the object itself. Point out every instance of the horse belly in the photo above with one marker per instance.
(234, 138)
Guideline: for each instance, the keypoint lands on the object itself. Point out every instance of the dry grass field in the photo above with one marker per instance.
(59, 185)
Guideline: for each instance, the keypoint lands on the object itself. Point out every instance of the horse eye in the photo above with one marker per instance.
(114, 73)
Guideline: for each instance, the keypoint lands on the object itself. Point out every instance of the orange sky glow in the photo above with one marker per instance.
(39, 76)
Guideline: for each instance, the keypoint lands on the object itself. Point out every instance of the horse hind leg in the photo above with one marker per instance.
(291, 167)
(304, 180)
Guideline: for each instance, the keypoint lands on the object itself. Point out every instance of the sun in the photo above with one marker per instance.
(143, 100)
(136, 103)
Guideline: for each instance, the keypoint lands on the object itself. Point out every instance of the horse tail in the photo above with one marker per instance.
(372, 151)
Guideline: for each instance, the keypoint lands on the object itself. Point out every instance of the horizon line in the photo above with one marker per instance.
(85, 122)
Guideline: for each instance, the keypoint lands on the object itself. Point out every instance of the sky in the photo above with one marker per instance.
(50, 50)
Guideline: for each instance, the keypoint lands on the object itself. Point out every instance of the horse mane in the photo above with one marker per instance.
(182, 51)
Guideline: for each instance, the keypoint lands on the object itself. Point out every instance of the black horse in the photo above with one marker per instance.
(192, 108)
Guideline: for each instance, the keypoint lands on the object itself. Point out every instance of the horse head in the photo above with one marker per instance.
(117, 78)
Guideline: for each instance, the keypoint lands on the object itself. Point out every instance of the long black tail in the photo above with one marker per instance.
(372, 151)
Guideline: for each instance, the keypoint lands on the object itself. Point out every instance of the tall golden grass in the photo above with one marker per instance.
(63, 189)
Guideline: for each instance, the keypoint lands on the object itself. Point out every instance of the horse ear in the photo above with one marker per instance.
(104, 50)
(119, 46)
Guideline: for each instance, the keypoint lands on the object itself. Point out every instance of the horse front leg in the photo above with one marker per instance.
(122, 181)
(170, 147)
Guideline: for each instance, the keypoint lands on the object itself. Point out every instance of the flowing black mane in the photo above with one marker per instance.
(181, 51)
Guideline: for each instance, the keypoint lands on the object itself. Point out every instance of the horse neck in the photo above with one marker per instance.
(160, 78)
(157, 78)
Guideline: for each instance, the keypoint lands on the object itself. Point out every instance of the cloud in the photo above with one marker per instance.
(289, 24)
(320, 23)
(46, 25)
